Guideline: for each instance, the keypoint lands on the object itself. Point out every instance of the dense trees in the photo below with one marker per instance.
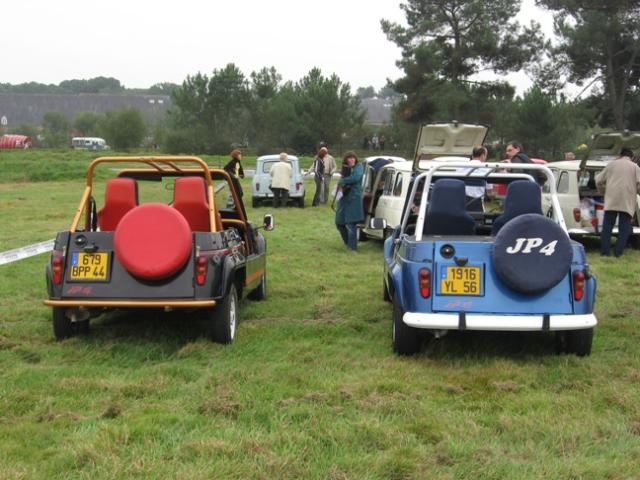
(447, 42)
(599, 42)
(210, 113)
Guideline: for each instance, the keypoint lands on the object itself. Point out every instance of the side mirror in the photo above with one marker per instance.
(378, 224)
(268, 222)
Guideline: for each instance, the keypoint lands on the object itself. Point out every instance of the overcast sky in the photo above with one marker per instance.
(142, 42)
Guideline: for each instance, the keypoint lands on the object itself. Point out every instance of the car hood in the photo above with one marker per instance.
(448, 139)
(606, 146)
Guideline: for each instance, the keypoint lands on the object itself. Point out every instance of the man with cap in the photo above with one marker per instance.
(619, 181)
(329, 169)
(281, 173)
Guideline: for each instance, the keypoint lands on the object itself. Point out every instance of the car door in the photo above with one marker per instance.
(393, 199)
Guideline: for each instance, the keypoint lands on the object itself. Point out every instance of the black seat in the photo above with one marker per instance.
(522, 197)
(446, 211)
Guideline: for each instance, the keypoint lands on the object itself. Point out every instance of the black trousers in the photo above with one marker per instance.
(280, 197)
(624, 231)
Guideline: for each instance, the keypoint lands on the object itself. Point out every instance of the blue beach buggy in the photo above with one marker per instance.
(449, 267)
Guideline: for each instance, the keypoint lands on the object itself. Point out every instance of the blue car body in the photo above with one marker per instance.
(450, 282)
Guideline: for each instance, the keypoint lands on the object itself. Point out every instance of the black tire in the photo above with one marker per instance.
(301, 202)
(576, 342)
(221, 321)
(62, 326)
(634, 242)
(255, 203)
(406, 340)
(260, 292)
(385, 292)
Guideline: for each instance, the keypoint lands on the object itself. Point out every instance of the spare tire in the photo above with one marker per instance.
(531, 254)
(152, 241)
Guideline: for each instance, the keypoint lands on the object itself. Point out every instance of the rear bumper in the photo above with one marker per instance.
(162, 303)
(515, 323)
(292, 194)
(592, 231)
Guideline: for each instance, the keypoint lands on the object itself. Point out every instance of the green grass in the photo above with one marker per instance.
(310, 388)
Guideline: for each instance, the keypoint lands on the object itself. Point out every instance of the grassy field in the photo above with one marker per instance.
(310, 388)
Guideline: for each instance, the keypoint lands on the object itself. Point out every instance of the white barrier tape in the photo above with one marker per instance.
(14, 255)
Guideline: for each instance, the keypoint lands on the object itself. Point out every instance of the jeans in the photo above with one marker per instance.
(624, 231)
(349, 234)
(318, 197)
(280, 197)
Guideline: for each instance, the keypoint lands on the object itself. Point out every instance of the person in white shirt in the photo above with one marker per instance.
(281, 173)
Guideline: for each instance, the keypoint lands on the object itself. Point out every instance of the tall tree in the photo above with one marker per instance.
(448, 41)
(599, 43)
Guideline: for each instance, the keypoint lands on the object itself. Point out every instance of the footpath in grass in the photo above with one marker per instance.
(310, 388)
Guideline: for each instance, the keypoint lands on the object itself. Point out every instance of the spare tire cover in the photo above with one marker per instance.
(152, 241)
(531, 254)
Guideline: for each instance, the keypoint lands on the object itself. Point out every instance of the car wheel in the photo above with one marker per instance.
(576, 342)
(301, 202)
(254, 202)
(634, 242)
(385, 292)
(405, 339)
(260, 293)
(62, 326)
(222, 320)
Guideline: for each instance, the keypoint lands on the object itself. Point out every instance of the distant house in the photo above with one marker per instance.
(19, 108)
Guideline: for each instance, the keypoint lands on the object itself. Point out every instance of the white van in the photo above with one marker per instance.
(89, 143)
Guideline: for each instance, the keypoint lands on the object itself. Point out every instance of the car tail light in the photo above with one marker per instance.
(57, 264)
(424, 280)
(578, 284)
(201, 270)
(257, 186)
(576, 214)
(298, 185)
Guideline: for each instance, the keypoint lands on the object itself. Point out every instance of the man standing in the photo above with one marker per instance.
(318, 172)
(475, 188)
(281, 180)
(234, 168)
(620, 183)
(329, 169)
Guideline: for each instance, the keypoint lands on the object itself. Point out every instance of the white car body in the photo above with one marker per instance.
(261, 181)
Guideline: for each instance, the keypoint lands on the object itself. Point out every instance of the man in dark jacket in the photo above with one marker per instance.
(234, 168)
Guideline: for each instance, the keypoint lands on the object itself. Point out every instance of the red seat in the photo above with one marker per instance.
(190, 199)
(120, 196)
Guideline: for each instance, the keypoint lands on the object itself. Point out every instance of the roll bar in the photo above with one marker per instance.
(483, 171)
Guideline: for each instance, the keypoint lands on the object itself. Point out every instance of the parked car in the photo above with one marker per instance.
(184, 253)
(89, 143)
(386, 180)
(261, 183)
(582, 204)
(526, 275)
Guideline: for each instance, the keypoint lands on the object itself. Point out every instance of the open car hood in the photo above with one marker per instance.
(606, 146)
(447, 139)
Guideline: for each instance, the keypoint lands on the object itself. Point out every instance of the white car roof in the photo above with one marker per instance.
(269, 158)
(386, 157)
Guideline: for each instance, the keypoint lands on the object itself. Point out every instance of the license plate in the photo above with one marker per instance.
(89, 266)
(461, 281)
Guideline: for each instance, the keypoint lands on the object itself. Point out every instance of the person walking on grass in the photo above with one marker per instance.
(281, 173)
(318, 171)
(349, 210)
(234, 168)
(620, 184)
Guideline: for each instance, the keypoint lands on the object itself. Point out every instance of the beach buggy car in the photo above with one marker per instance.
(261, 183)
(181, 253)
(517, 270)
